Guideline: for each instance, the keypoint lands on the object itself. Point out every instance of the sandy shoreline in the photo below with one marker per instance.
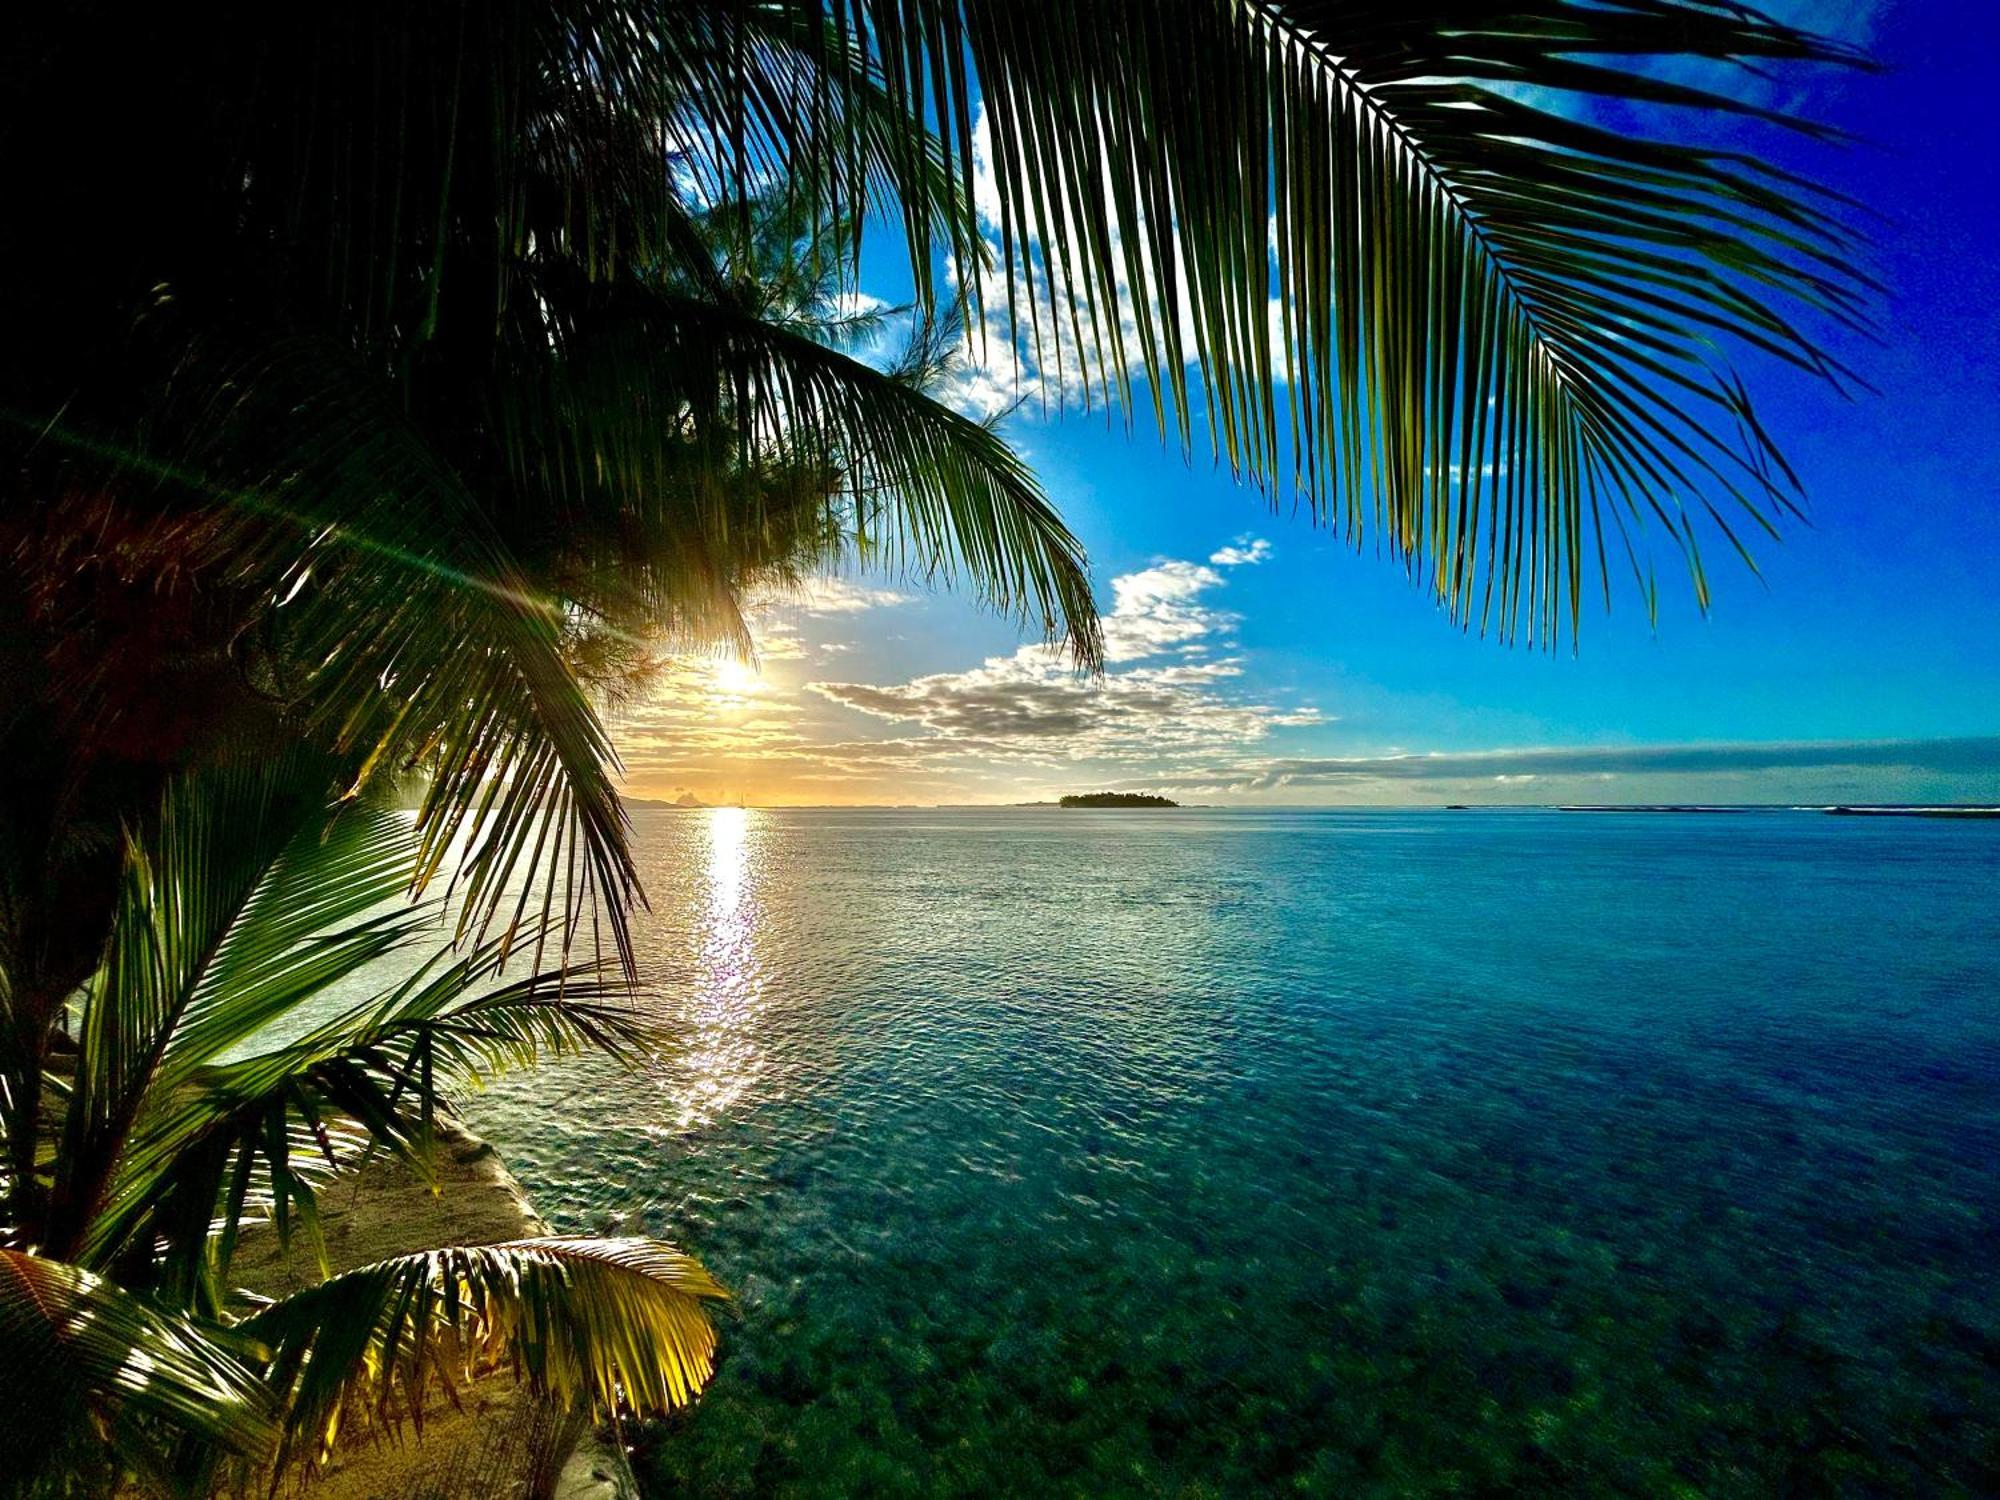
(497, 1439)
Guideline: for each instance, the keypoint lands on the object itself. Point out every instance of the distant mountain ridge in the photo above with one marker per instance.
(685, 799)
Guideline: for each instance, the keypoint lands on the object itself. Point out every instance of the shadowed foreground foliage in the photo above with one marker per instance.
(243, 1039)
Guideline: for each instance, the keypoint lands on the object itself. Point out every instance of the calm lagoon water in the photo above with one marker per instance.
(1224, 1153)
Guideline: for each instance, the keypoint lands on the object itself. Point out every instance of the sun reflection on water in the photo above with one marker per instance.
(722, 1059)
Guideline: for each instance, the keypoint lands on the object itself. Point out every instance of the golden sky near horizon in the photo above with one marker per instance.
(817, 719)
(862, 695)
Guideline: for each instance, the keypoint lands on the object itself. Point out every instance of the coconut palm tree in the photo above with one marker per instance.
(254, 572)
(381, 473)
(260, 1018)
(348, 318)
(244, 904)
(385, 377)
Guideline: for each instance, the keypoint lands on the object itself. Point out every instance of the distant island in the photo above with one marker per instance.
(1117, 799)
(685, 799)
(1947, 810)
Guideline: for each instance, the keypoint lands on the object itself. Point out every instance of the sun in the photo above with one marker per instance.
(736, 679)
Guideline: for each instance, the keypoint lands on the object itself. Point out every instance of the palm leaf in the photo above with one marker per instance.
(423, 645)
(74, 1344)
(256, 1134)
(243, 910)
(215, 899)
(1504, 332)
(611, 1324)
(916, 485)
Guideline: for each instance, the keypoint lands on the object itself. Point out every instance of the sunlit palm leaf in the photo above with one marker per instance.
(614, 1324)
(321, 912)
(243, 910)
(215, 904)
(389, 1061)
(261, 1125)
(72, 1343)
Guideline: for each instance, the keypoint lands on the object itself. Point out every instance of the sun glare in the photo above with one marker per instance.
(722, 1057)
(737, 679)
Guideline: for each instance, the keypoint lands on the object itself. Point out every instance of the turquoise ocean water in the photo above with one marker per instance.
(1231, 1153)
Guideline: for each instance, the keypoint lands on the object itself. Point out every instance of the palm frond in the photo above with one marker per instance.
(1423, 288)
(247, 905)
(256, 1134)
(74, 1344)
(321, 912)
(179, 928)
(423, 646)
(611, 1324)
(920, 487)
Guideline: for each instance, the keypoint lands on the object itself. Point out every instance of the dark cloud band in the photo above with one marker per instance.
(1969, 755)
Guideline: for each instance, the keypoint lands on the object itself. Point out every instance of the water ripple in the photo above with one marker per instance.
(1220, 1154)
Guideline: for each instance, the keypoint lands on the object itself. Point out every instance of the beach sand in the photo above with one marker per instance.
(486, 1445)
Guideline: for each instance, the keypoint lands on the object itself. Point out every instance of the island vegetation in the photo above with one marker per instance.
(419, 377)
(1116, 799)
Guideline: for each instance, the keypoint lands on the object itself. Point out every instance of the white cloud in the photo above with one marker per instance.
(829, 596)
(1171, 702)
(776, 640)
(775, 616)
(1245, 551)
(1040, 361)
(1973, 758)
(1159, 608)
(1031, 706)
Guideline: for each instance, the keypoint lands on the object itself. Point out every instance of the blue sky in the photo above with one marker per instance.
(1268, 662)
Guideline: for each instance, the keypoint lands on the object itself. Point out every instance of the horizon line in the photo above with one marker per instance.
(1654, 806)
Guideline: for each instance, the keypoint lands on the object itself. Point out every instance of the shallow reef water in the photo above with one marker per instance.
(1222, 1153)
